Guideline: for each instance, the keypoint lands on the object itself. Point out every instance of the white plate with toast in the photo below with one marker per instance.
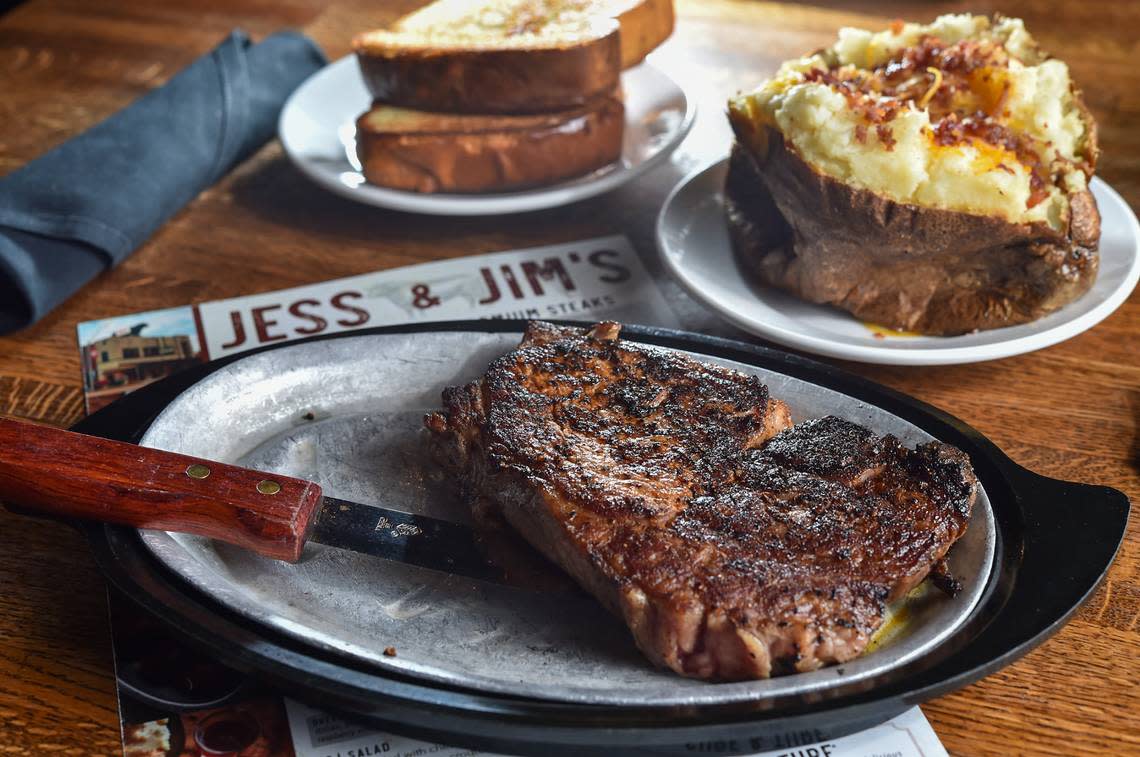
(317, 129)
(693, 239)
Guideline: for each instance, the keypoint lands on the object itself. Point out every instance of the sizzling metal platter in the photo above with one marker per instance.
(520, 671)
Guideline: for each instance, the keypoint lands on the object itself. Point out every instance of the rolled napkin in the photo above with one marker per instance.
(87, 204)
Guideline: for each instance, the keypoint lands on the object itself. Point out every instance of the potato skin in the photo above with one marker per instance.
(928, 270)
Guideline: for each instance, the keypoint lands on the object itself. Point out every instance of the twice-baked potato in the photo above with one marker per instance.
(932, 178)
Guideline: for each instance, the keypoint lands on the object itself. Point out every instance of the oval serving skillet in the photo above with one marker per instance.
(1031, 593)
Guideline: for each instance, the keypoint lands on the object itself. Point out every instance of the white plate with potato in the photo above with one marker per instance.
(694, 244)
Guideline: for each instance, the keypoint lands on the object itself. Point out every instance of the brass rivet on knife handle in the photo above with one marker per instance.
(198, 471)
(268, 487)
(61, 473)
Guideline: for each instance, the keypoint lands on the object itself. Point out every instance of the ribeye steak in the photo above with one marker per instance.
(678, 493)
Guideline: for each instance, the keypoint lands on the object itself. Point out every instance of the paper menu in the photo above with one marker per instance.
(584, 280)
(316, 734)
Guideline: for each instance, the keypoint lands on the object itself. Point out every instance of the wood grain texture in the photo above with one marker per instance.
(1070, 411)
(60, 473)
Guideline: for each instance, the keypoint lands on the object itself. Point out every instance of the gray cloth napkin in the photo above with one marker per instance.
(87, 204)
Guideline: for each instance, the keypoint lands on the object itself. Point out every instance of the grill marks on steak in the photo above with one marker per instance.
(733, 545)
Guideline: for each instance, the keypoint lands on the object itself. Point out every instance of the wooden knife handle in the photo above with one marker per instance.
(62, 473)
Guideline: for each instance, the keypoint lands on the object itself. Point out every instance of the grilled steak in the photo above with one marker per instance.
(734, 545)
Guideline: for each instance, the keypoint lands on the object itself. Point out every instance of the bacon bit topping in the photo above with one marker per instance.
(961, 68)
(886, 136)
(951, 131)
(966, 101)
(933, 87)
(1038, 191)
(874, 111)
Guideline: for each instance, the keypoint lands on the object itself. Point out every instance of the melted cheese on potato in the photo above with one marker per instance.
(971, 176)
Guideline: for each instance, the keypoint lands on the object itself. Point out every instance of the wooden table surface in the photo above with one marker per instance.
(1068, 412)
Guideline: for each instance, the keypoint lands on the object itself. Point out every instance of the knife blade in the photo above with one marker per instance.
(404, 537)
(49, 471)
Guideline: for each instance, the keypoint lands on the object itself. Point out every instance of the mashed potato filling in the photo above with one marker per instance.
(962, 114)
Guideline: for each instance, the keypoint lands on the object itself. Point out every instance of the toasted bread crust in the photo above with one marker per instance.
(490, 80)
(645, 24)
(907, 267)
(505, 153)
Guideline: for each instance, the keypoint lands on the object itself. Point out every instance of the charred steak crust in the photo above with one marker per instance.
(734, 545)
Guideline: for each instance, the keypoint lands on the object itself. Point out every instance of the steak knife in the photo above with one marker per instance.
(53, 472)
